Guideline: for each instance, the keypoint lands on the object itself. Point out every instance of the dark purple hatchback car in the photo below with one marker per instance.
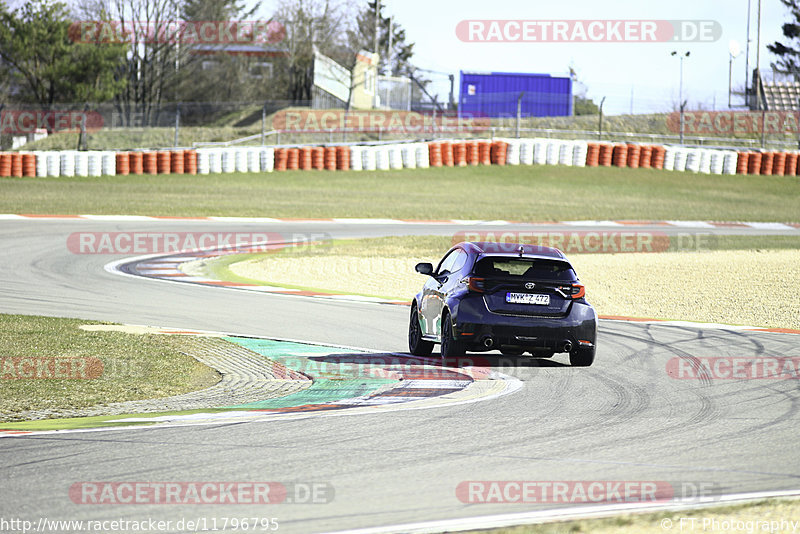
(513, 298)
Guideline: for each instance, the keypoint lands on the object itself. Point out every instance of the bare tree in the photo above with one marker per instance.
(154, 58)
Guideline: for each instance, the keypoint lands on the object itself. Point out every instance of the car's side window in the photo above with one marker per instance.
(459, 261)
(446, 265)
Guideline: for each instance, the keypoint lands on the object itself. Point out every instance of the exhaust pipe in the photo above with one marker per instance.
(566, 345)
(487, 342)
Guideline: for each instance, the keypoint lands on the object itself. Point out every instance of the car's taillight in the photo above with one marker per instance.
(575, 291)
(478, 285)
(578, 291)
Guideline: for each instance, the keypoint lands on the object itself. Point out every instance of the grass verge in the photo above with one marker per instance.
(133, 367)
(751, 517)
(521, 193)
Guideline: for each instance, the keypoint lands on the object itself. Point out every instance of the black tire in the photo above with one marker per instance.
(582, 357)
(416, 345)
(450, 347)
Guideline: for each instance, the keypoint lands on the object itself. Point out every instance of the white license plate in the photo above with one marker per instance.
(527, 298)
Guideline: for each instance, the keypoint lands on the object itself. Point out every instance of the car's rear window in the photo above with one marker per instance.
(527, 269)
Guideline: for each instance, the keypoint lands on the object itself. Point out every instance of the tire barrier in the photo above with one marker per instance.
(499, 152)
(28, 164)
(659, 153)
(620, 155)
(435, 154)
(329, 158)
(448, 160)
(190, 161)
(791, 164)
(634, 152)
(16, 164)
(754, 163)
(392, 156)
(460, 154)
(766, 162)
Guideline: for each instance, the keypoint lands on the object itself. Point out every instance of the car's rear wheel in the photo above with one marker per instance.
(450, 347)
(582, 357)
(416, 345)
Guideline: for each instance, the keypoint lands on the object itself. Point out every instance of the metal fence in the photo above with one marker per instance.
(111, 126)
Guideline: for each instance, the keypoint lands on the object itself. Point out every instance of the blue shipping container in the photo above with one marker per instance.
(495, 94)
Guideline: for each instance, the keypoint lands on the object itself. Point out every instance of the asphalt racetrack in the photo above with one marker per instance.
(623, 419)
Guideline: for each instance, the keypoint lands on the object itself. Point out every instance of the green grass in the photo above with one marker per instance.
(521, 193)
(133, 366)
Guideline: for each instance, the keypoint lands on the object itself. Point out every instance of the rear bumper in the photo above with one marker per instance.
(475, 323)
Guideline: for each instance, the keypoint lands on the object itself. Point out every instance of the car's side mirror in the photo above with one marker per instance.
(424, 268)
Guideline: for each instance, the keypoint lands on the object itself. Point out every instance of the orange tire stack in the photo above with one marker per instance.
(754, 163)
(5, 164)
(292, 159)
(306, 157)
(645, 156)
(593, 154)
(473, 152)
(606, 155)
(281, 159)
(318, 158)
(16, 164)
(741, 162)
(634, 152)
(28, 165)
(123, 160)
(460, 154)
(791, 164)
(330, 158)
(190, 161)
(447, 154)
(137, 162)
(485, 152)
(343, 158)
(163, 161)
(499, 152)
(620, 158)
(779, 163)
(435, 154)
(176, 159)
(767, 159)
(659, 153)
(150, 163)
